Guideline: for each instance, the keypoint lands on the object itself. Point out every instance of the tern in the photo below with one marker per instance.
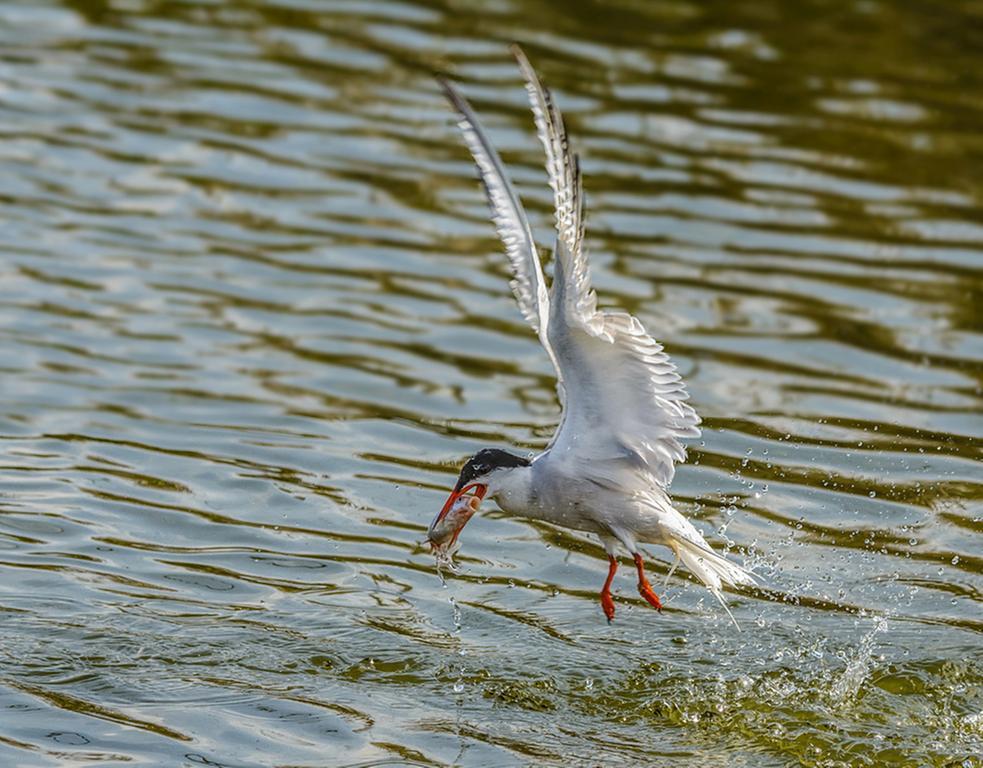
(608, 466)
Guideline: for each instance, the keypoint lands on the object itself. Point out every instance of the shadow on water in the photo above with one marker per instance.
(253, 316)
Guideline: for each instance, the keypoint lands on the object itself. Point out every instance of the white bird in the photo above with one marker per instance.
(611, 460)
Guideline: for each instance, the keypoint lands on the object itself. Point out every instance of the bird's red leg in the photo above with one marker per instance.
(644, 588)
(606, 602)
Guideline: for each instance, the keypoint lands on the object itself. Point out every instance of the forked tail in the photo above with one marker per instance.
(712, 569)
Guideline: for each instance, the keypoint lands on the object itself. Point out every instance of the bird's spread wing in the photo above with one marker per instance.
(509, 217)
(625, 404)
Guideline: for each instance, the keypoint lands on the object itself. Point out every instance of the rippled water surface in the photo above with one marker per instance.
(253, 316)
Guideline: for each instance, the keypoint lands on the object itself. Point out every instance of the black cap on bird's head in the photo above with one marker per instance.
(474, 477)
(486, 461)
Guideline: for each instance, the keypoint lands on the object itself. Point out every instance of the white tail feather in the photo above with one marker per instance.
(712, 569)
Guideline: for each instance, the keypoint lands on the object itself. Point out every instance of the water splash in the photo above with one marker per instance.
(846, 687)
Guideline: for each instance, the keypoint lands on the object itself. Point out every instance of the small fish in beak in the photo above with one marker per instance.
(458, 509)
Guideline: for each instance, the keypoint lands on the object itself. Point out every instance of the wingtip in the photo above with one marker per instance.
(458, 102)
(524, 64)
(443, 81)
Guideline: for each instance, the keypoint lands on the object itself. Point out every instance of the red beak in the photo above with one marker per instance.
(439, 537)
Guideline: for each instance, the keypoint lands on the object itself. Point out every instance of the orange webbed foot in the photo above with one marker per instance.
(607, 602)
(644, 588)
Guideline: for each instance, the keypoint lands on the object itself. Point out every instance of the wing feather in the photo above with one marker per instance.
(563, 170)
(625, 402)
(626, 406)
(509, 217)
